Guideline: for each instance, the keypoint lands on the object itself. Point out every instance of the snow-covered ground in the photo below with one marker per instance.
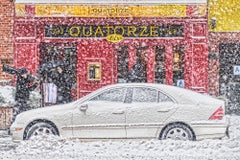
(7, 94)
(56, 148)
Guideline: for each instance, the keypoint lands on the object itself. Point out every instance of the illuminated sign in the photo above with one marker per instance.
(76, 31)
(110, 11)
(87, 10)
(77, 10)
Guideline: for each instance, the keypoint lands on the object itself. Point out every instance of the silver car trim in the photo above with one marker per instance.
(114, 125)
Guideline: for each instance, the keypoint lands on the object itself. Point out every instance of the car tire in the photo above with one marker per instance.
(40, 128)
(177, 131)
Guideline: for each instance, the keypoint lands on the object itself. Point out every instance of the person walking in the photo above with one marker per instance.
(64, 83)
(24, 86)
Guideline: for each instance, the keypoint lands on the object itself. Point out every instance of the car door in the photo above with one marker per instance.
(102, 116)
(146, 113)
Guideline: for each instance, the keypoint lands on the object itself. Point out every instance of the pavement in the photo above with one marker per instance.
(6, 142)
(4, 133)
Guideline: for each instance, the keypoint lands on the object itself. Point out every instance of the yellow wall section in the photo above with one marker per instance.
(227, 14)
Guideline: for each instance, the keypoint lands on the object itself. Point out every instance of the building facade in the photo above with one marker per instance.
(100, 43)
(6, 38)
(224, 51)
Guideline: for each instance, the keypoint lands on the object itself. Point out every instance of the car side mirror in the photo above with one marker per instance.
(83, 108)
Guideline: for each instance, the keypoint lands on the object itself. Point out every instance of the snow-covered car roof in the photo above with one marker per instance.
(181, 95)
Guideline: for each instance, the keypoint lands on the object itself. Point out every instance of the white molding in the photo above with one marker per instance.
(109, 2)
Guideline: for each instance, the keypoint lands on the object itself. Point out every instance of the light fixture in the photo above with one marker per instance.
(176, 58)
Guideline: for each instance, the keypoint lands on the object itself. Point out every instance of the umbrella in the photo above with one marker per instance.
(49, 66)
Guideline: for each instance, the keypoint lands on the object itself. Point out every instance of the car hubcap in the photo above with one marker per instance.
(42, 131)
(177, 134)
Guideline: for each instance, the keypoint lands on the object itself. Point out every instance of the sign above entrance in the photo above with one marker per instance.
(42, 10)
(77, 31)
(86, 10)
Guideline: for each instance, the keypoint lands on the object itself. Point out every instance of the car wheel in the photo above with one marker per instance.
(41, 128)
(177, 131)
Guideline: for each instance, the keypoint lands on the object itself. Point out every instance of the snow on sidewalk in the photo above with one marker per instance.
(3, 133)
(55, 148)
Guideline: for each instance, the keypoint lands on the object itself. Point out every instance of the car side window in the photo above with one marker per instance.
(141, 94)
(113, 95)
(163, 97)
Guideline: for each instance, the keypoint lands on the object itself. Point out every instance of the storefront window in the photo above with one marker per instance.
(122, 64)
(178, 66)
(159, 67)
(138, 72)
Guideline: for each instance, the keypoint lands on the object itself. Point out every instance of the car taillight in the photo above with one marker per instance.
(217, 115)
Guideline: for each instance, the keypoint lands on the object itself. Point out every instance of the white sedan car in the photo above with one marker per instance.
(132, 110)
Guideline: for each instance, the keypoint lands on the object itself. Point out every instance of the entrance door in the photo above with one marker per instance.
(50, 55)
(229, 80)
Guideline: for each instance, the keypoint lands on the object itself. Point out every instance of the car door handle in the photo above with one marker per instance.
(164, 110)
(118, 112)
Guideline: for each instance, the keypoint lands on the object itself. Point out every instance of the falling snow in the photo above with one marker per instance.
(194, 46)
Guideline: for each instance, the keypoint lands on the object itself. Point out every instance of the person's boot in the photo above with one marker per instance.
(8, 131)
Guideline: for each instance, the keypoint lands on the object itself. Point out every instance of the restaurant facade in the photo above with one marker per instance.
(100, 42)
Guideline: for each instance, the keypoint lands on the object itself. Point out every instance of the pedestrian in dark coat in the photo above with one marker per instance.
(64, 83)
(24, 86)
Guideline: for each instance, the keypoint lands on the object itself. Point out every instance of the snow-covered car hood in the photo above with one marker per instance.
(45, 112)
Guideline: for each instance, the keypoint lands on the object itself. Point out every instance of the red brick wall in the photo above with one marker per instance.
(5, 117)
(6, 36)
